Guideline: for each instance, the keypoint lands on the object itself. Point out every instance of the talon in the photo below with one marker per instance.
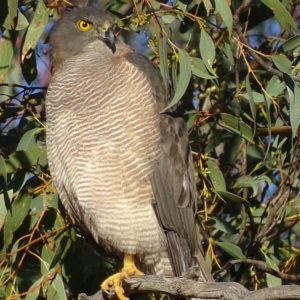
(128, 270)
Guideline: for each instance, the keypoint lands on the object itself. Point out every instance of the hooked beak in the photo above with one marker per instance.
(108, 38)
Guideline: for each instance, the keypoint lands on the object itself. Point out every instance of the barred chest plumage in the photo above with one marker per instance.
(111, 145)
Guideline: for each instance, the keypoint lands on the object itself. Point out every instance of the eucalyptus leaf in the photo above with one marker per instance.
(183, 77)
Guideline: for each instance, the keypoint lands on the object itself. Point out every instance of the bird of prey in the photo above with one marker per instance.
(121, 168)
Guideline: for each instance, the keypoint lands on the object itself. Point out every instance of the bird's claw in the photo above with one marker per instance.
(116, 279)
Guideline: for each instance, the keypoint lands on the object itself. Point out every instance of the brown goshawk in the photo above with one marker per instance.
(121, 168)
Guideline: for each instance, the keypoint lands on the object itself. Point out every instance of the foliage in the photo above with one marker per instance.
(235, 71)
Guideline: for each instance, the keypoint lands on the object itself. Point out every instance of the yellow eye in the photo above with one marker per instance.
(84, 25)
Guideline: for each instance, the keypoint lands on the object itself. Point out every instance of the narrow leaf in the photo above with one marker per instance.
(163, 58)
(235, 125)
(294, 96)
(56, 290)
(22, 22)
(183, 77)
(271, 279)
(281, 13)
(222, 7)
(16, 215)
(36, 28)
(232, 197)
(60, 251)
(180, 5)
(289, 44)
(216, 176)
(25, 158)
(199, 69)
(28, 139)
(282, 63)
(247, 181)
(275, 86)
(207, 49)
(167, 19)
(12, 11)
(256, 97)
(231, 249)
(155, 4)
(7, 44)
(3, 172)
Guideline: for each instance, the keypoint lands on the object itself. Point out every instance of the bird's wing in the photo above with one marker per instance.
(173, 181)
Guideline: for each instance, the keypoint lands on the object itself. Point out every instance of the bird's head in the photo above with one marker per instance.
(79, 28)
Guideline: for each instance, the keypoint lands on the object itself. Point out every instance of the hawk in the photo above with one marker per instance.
(121, 168)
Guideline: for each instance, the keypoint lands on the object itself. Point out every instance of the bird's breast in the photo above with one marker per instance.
(115, 106)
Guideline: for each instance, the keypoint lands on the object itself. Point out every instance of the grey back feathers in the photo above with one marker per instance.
(120, 167)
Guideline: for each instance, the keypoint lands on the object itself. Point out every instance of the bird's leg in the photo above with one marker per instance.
(129, 269)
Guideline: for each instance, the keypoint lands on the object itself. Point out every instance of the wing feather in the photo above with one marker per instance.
(173, 182)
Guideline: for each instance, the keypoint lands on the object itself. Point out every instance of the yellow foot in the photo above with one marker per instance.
(128, 270)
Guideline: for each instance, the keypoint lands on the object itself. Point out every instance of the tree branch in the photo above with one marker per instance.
(194, 289)
(246, 4)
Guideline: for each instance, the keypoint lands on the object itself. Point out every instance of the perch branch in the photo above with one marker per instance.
(194, 289)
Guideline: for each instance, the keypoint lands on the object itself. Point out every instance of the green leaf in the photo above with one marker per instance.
(235, 125)
(232, 197)
(3, 173)
(155, 4)
(293, 96)
(275, 86)
(60, 251)
(20, 179)
(272, 280)
(174, 70)
(247, 181)
(228, 51)
(22, 22)
(221, 225)
(256, 97)
(253, 182)
(35, 29)
(7, 45)
(55, 290)
(3, 293)
(222, 7)
(5, 201)
(163, 57)
(263, 178)
(208, 6)
(191, 121)
(183, 78)
(282, 63)
(216, 176)
(25, 158)
(180, 5)
(207, 49)
(42, 201)
(28, 140)
(9, 11)
(47, 253)
(12, 11)
(167, 19)
(35, 287)
(16, 215)
(281, 13)
(231, 249)
(199, 68)
(289, 44)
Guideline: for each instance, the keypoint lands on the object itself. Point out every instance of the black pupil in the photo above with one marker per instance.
(84, 24)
